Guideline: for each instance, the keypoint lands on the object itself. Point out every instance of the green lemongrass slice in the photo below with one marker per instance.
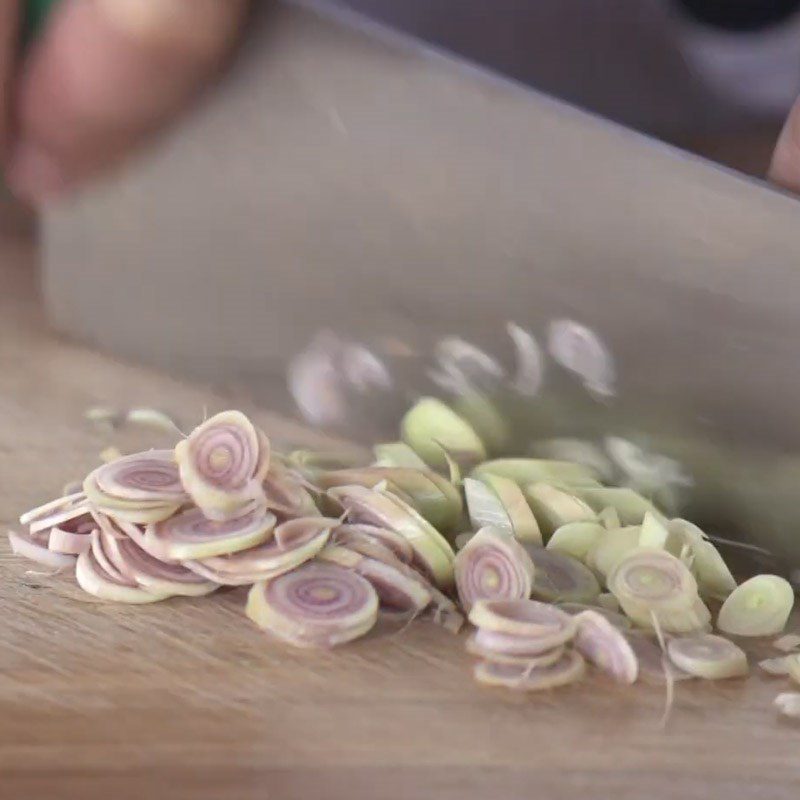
(759, 607)
(713, 576)
(600, 642)
(609, 518)
(525, 471)
(629, 505)
(431, 494)
(611, 548)
(560, 578)
(525, 618)
(708, 656)
(460, 542)
(575, 539)
(316, 605)
(484, 506)
(788, 704)
(432, 425)
(454, 471)
(570, 668)
(397, 454)
(654, 533)
(793, 666)
(554, 507)
(476, 646)
(578, 451)
(484, 416)
(619, 621)
(311, 463)
(523, 522)
(493, 566)
(787, 643)
(775, 666)
(607, 601)
(653, 579)
(693, 619)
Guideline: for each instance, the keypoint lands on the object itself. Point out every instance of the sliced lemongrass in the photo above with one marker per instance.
(109, 454)
(525, 471)
(493, 565)
(287, 494)
(485, 418)
(560, 578)
(708, 656)
(222, 464)
(149, 477)
(653, 579)
(523, 522)
(63, 517)
(461, 539)
(611, 548)
(692, 619)
(191, 535)
(788, 704)
(576, 539)
(94, 580)
(442, 611)
(527, 618)
(654, 532)
(599, 641)
(554, 507)
(311, 463)
(152, 418)
(485, 507)
(476, 646)
(497, 644)
(23, 545)
(714, 578)
(72, 537)
(106, 558)
(619, 621)
(787, 643)
(52, 507)
(351, 535)
(775, 666)
(397, 454)
(103, 415)
(570, 668)
(609, 518)
(793, 666)
(431, 495)
(315, 605)
(654, 666)
(431, 425)
(759, 607)
(301, 540)
(607, 601)
(629, 505)
(578, 451)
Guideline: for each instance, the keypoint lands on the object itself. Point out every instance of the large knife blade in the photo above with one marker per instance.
(350, 181)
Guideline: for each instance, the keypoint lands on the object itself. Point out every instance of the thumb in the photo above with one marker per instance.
(105, 75)
(785, 167)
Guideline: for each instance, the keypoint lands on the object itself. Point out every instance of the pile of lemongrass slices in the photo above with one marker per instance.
(554, 569)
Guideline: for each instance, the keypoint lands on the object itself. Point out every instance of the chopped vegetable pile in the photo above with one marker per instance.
(555, 570)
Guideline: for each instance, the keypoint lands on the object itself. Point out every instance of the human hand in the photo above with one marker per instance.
(785, 167)
(103, 76)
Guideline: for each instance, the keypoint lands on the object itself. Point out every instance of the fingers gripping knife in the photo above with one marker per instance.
(377, 221)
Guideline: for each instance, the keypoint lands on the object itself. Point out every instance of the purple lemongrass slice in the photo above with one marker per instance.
(153, 575)
(287, 494)
(69, 501)
(71, 537)
(599, 641)
(559, 578)
(59, 518)
(653, 664)
(299, 541)
(576, 539)
(570, 668)
(508, 647)
(94, 580)
(149, 478)
(493, 566)
(222, 464)
(759, 607)
(24, 545)
(708, 656)
(350, 534)
(190, 535)
(526, 618)
(619, 621)
(316, 605)
(545, 659)
(432, 553)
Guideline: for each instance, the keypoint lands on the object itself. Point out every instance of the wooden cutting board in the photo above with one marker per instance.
(186, 699)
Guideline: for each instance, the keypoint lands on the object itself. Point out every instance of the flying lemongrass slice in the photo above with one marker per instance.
(222, 464)
(190, 535)
(525, 471)
(759, 607)
(568, 669)
(315, 605)
(560, 578)
(493, 565)
(788, 704)
(578, 451)
(431, 495)
(650, 582)
(713, 576)
(485, 418)
(599, 641)
(96, 581)
(432, 425)
(629, 505)
(609, 518)
(708, 656)
(489, 646)
(293, 543)
(619, 621)
(611, 548)
(352, 535)
(554, 507)
(775, 666)
(522, 618)
(397, 454)
(787, 643)
(576, 539)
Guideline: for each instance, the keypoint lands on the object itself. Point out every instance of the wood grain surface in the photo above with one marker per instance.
(186, 699)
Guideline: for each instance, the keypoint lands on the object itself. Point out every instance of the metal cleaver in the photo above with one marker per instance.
(353, 220)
